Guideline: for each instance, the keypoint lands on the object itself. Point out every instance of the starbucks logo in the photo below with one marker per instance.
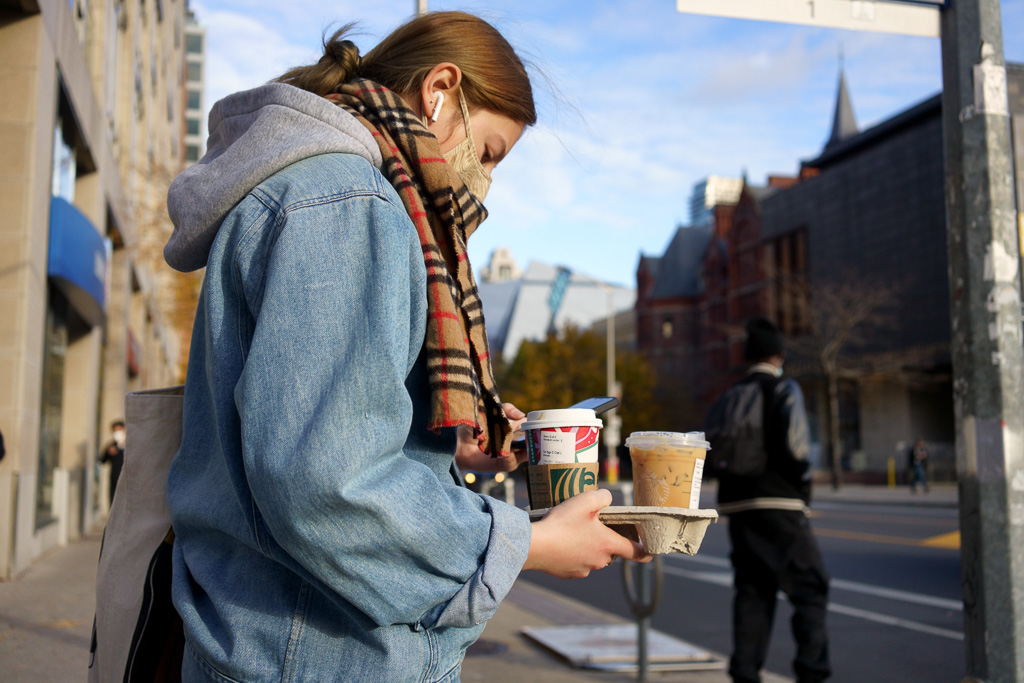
(566, 483)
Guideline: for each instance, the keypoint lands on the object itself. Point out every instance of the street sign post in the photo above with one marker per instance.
(909, 18)
(986, 345)
(987, 341)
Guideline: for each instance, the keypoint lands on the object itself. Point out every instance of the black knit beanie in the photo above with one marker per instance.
(763, 339)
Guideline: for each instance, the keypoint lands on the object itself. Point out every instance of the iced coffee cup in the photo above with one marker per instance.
(667, 468)
(562, 450)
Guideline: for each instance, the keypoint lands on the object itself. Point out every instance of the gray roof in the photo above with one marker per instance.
(499, 300)
(679, 269)
(518, 310)
(653, 263)
(761, 192)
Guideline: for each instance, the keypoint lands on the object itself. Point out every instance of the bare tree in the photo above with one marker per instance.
(841, 328)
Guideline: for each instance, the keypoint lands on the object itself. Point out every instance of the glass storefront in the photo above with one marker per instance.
(55, 347)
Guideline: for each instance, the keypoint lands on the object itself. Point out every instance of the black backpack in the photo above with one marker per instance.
(735, 427)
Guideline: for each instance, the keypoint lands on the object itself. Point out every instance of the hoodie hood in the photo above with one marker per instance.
(253, 135)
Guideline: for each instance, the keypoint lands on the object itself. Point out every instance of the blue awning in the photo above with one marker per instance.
(78, 260)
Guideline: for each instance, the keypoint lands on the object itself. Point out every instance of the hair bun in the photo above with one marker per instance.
(345, 53)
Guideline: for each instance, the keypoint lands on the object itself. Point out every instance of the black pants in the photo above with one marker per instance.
(772, 551)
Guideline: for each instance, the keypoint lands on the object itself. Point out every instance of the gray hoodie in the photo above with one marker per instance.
(253, 135)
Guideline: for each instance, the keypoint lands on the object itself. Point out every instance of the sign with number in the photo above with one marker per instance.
(915, 18)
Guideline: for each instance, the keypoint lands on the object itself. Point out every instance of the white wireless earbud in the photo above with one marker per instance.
(437, 107)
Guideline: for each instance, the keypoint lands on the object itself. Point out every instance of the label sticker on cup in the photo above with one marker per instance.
(562, 445)
(698, 472)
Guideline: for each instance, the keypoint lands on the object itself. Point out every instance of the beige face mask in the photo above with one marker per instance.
(466, 162)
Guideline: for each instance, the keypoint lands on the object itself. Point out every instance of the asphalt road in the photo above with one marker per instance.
(895, 611)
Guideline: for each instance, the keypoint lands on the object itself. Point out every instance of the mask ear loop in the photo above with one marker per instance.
(437, 107)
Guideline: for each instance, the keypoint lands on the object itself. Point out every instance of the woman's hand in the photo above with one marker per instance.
(571, 541)
(470, 458)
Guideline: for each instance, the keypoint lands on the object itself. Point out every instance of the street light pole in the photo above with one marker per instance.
(986, 340)
(612, 436)
(421, 7)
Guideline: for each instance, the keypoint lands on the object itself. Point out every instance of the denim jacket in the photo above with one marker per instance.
(319, 534)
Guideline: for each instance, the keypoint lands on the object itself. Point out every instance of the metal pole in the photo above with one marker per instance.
(986, 341)
(421, 7)
(642, 624)
(611, 433)
(643, 601)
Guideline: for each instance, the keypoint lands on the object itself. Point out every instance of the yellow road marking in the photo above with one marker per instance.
(950, 541)
(859, 536)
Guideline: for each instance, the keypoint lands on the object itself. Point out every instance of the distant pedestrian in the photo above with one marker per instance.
(917, 464)
(114, 454)
(765, 489)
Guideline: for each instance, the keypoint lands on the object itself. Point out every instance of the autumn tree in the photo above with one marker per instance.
(570, 366)
(176, 294)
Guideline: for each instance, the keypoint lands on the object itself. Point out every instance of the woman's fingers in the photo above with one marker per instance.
(511, 412)
(515, 416)
(571, 541)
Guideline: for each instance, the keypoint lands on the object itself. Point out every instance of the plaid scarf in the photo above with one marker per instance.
(445, 214)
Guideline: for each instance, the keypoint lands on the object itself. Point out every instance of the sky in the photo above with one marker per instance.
(637, 103)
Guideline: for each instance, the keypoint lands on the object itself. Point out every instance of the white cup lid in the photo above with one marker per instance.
(677, 439)
(565, 417)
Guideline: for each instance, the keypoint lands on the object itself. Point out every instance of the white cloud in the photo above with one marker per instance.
(644, 102)
(244, 52)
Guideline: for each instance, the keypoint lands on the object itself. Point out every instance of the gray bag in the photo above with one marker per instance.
(137, 634)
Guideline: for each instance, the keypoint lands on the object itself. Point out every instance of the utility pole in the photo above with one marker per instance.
(421, 7)
(986, 340)
(613, 430)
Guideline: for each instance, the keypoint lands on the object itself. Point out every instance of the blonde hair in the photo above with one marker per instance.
(493, 76)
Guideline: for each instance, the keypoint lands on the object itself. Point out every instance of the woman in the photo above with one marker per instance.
(338, 356)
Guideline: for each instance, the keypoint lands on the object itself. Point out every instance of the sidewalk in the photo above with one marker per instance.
(523, 660)
(944, 494)
(46, 628)
(46, 616)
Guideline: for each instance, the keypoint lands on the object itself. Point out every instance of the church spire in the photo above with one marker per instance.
(844, 124)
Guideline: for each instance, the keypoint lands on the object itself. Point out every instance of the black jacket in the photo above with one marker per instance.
(786, 483)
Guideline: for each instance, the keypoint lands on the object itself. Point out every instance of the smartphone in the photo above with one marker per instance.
(599, 404)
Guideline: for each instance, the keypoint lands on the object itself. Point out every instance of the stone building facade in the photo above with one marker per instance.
(91, 130)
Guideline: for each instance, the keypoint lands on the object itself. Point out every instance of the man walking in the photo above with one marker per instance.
(773, 547)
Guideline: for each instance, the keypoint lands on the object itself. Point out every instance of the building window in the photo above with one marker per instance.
(194, 43)
(192, 127)
(193, 99)
(195, 71)
(64, 166)
(140, 102)
(191, 153)
(786, 260)
(667, 328)
(55, 349)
